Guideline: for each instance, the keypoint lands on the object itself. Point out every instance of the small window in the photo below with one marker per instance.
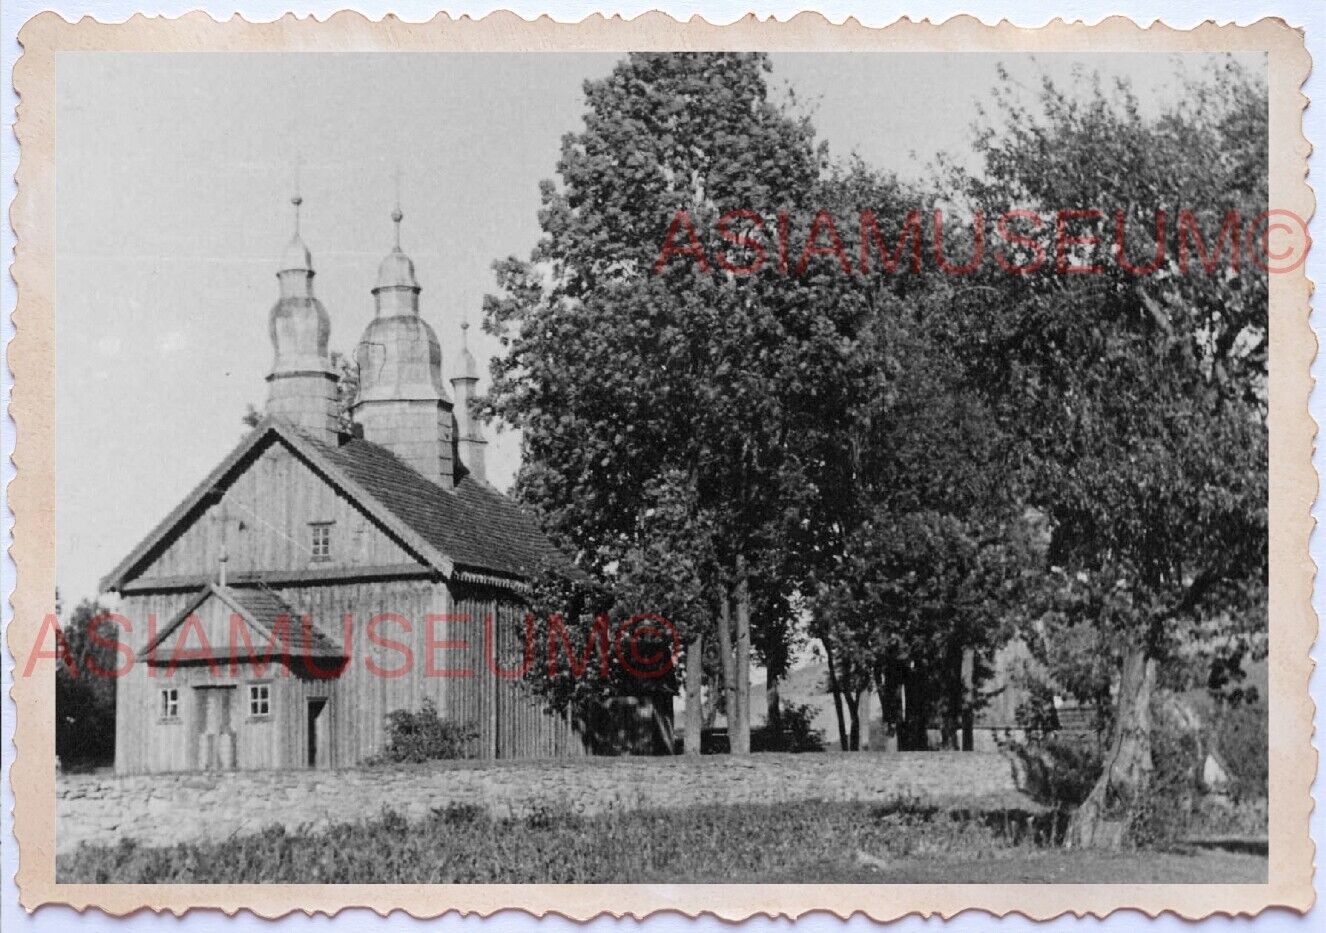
(170, 703)
(260, 699)
(321, 541)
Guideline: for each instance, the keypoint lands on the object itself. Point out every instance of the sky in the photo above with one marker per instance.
(174, 174)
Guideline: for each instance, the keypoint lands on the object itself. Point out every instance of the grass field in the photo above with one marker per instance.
(813, 842)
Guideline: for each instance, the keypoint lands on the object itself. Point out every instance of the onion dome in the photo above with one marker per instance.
(397, 269)
(397, 291)
(399, 355)
(298, 324)
(301, 387)
(296, 257)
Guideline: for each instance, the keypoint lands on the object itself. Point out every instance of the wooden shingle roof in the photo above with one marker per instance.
(470, 530)
(473, 524)
(266, 613)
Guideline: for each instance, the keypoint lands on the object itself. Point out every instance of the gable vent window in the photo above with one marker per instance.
(170, 703)
(320, 542)
(260, 699)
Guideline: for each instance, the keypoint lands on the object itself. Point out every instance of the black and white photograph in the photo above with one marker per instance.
(663, 467)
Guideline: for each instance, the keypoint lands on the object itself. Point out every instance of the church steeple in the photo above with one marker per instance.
(471, 447)
(296, 259)
(397, 291)
(403, 403)
(301, 388)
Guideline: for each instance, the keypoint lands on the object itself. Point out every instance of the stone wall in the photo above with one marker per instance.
(166, 808)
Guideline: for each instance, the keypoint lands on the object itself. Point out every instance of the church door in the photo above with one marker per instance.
(319, 753)
(215, 736)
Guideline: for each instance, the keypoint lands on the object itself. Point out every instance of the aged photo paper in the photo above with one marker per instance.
(632, 466)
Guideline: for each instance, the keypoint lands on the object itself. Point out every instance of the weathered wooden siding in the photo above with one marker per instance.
(395, 663)
(407, 638)
(382, 625)
(142, 742)
(467, 692)
(145, 742)
(527, 728)
(509, 721)
(265, 515)
(214, 626)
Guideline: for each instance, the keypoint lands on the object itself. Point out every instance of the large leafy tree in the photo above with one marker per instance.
(903, 542)
(914, 589)
(643, 377)
(845, 385)
(1133, 394)
(85, 687)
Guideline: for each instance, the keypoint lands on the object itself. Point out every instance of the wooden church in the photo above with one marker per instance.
(319, 579)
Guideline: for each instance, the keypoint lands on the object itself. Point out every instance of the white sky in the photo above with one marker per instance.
(173, 186)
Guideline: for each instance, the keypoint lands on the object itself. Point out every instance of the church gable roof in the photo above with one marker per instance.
(473, 524)
(471, 529)
(262, 611)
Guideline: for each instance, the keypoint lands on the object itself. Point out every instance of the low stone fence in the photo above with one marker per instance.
(161, 809)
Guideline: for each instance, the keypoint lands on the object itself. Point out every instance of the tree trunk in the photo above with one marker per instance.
(837, 692)
(694, 693)
(886, 685)
(969, 693)
(882, 684)
(1102, 820)
(863, 712)
(854, 721)
(953, 701)
(740, 738)
(729, 672)
(948, 730)
(773, 708)
(914, 731)
(711, 706)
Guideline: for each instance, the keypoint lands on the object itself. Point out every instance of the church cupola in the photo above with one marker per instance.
(471, 447)
(397, 291)
(301, 388)
(402, 403)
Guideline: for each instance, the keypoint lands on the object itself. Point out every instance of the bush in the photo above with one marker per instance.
(85, 701)
(423, 736)
(1240, 738)
(1060, 771)
(1165, 813)
(796, 734)
(84, 721)
(1035, 713)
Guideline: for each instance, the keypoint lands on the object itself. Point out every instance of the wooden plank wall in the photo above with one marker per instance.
(465, 693)
(264, 516)
(510, 722)
(363, 695)
(264, 525)
(144, 742)
(526, 727)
